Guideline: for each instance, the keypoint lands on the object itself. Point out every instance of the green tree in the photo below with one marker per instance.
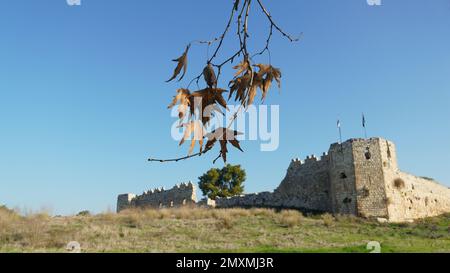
(223, 183)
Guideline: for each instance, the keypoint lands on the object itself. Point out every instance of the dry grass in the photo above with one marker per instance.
(328, 219)
(212, 230)
(290, 218)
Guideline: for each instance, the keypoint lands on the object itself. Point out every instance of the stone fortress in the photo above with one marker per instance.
(358, 177)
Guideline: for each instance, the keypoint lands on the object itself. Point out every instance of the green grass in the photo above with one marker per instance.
(209, 230)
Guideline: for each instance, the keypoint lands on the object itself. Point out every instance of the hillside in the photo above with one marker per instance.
(208, 230)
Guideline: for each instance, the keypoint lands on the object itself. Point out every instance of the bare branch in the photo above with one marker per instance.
(292, 39)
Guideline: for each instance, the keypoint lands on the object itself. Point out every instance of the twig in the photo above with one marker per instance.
(272, 22)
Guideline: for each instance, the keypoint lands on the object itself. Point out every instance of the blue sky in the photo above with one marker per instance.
(83, 98)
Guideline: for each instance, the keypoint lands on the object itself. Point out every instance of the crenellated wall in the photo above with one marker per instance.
(180, 195)
(306, 185)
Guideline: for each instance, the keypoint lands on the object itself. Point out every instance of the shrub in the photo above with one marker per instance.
(84, 213)
(225, 222)
(290, 218)
(328, 219)
(399, 183)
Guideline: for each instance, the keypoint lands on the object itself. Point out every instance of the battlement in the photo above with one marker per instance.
(179, 195)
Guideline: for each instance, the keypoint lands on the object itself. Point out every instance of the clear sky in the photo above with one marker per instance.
(83, 98)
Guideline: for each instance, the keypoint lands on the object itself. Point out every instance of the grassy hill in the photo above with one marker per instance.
(220, 230)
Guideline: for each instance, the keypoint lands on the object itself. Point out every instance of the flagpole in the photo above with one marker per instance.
(364, 125)
(340, 131)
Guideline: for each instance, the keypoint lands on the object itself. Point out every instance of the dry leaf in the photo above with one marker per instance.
(210, 76)
(246, 85)
(182, 64)
(223, 135)
(196, 129)
(205, 99)
(182, 97)
(242, 67)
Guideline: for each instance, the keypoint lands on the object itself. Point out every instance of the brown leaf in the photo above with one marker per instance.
(196, 129)
(210, 76)
(204, 100)
(223, 135)
(242, 67)
(182, 97)
(182, 64)
(240, 86)
(223, 150)
(265, 76)
(235, 143)
(251, 94)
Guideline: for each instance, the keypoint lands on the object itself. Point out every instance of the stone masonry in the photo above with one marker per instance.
(358, 177)
(179, 195)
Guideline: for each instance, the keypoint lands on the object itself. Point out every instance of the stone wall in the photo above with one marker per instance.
(263, 199)
(411, 197)
(342, 178)
(369, 176)
(124, 201)
(305, 186)
(179, 195)
(359, 177)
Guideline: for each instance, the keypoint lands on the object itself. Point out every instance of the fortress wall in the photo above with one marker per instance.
(306, 186)
(369, 175)
(408, 196)
(124, 201)
(415, 197)
(342, 178)
(179, 195)
(263, 199)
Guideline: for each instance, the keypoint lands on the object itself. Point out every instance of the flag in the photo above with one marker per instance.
(363, 121)
(339, 124)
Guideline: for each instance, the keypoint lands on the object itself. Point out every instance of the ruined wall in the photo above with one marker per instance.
(179, 195)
